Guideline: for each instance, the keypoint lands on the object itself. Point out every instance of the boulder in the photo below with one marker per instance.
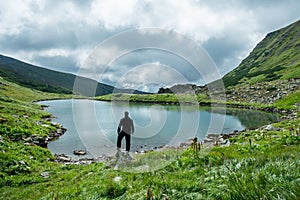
(271, 128)
(225, 143)
(45, 174)
(63, 158)
(79, 152)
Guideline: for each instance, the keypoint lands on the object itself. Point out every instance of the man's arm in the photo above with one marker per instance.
(132, 126)
(119, 127)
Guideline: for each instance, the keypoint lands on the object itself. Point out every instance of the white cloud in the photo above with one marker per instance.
(113, 13)
(150, 77)
(13, 16)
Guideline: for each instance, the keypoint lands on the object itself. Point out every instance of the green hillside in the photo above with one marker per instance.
(277, 56)
(52, 81)
(269, 75)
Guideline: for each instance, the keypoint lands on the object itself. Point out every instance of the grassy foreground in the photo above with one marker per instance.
(259, 164)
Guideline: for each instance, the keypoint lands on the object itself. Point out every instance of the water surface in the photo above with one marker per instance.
(92, 125)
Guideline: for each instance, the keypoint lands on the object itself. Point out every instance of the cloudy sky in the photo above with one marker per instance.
(64, 36)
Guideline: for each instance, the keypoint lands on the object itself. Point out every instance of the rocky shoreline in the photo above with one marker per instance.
(67, 160)
(260, 92)
(265, 93)
(211, 139)
(43, 141)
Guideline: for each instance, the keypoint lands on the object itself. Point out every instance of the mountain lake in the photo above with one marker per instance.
(92, 125)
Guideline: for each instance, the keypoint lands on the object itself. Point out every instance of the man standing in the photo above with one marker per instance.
(125, 128)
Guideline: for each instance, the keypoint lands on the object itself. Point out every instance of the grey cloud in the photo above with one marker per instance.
(58, 63)
(197, 66)
(61, 35)
(225, 48)
(174, 61)
(34, 39)
(150, 76)
(228, 30)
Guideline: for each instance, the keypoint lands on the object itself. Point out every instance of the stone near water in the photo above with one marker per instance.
(63, 158)
(79, 152)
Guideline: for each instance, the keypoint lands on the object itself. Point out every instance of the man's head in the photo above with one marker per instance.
(126, 113)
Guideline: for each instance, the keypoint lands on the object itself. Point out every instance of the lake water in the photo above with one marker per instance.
(92, 125)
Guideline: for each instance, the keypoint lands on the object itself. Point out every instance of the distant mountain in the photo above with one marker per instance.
(277, 56)
(53, 81)
(271, 71)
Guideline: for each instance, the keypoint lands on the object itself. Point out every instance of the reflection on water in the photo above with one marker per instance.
(250, 118)
(92, 125)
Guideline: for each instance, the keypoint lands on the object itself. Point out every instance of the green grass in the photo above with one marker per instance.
(13, 91)
(286, 103)
(155, 98)
(255, 79)
(21, 118)
(149, 162)
(291, 101)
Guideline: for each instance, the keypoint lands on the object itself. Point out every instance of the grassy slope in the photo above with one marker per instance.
(21, 119)
(265, 169)
(17, 92)
(48, 80)
(53, 81)
(289, 102)
(275, 57)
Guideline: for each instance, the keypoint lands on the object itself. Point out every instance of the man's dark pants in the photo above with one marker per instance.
(127, 137)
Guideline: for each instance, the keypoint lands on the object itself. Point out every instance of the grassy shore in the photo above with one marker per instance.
(259, 164)
(288, 103)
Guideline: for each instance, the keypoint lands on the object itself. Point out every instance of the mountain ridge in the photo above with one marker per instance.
(48, 80)
(277, 56)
